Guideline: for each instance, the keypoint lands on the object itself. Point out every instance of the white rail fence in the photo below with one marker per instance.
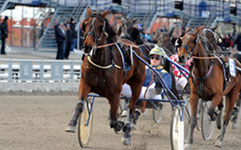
(39, 75)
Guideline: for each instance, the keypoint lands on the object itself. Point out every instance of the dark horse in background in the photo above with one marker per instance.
(100, 52)
(207, 80)
(165, 40)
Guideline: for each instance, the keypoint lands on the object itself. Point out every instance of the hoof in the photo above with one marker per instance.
(126, 141)
(117, 132)
(124, 113)
(70, 129)
(118, 127)
(234, 125)
(218, 143)
(188, 147)
(133, 126)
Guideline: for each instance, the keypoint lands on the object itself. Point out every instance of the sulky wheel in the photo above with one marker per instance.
(206, 123)
(187, 119)
(157, 113)
(85, 126)
(177, 130)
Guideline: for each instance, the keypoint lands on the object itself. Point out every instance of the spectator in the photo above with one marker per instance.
(238, 42)
(60, 39)
(81, 38)
(4, 34)
(227, 41)
(69, 39)
(148, 37)
(73, 34)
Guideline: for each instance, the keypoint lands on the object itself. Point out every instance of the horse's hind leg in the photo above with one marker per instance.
(220, 115)
(83, 94)
(235, 114)
(231, 99)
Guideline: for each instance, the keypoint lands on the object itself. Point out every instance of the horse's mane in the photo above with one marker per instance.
(110, 31)
(136, 36)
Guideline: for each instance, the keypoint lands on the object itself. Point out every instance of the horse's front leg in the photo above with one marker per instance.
(114, 101)
(84, 90)
(126, 140)
(194, 105)
(216, 100)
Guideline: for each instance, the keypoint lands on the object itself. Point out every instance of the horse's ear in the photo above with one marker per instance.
(171, 31)
(214, 28)
(123, 19)
(89, 12)
(187, 29)
(83, 26)
(119, 30)
(105, 13)
(134, 20)
(199, 29)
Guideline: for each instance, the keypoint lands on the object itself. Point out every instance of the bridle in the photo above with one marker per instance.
(187, 46)
(93, 33)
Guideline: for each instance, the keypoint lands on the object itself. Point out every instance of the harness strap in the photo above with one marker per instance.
(122, 56)
(203, 78)
(103, 67)
(207, 74)
(224, 70)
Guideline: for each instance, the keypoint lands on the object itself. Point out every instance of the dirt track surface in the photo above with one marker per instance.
(38, 123)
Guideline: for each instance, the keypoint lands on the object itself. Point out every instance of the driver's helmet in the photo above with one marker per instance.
(158, 51)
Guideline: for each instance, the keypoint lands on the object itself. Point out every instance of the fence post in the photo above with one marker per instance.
(10, 69)
(72, 71)
(41, 71)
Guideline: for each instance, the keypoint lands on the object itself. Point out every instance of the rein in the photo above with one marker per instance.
(196, 57)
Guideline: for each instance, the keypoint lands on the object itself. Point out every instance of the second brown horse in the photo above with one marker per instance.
(207, 80)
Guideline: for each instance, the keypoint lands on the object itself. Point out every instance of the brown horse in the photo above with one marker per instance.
(166, 41)
(128, 31)
(106, 81)
(207, 80)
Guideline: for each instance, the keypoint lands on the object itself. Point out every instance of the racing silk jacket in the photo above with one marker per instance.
(165, 75)
(176, 71)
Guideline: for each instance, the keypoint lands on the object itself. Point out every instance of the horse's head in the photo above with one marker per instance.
(189, 40)
(188, 43)
(129, 31)
(94, 28)
(165, 40)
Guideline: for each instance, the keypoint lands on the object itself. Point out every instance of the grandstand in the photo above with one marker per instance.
(37, 31)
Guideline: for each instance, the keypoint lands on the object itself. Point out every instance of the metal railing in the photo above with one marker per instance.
(47, 71)
(4, 5)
